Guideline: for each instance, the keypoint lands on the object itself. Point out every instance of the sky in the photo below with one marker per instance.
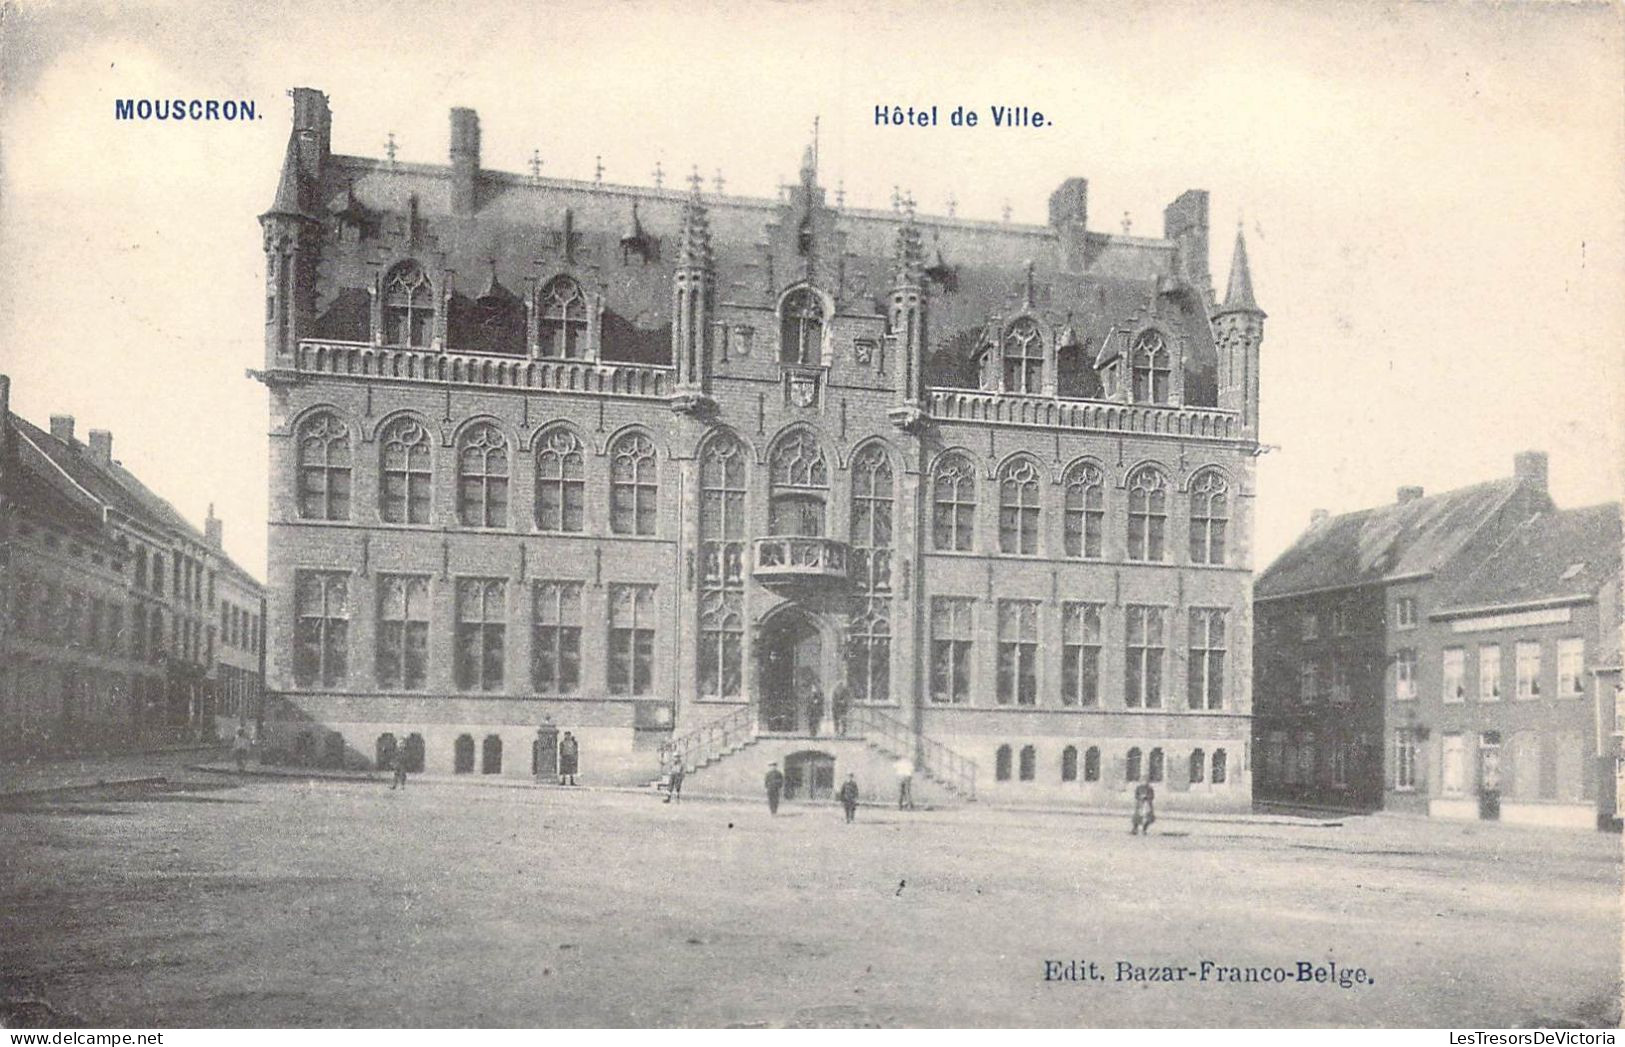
(1431, 193)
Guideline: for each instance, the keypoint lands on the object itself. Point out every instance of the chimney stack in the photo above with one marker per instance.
(212, 529)
(1409, 494)
(62, 427)
(1529, 469)
(1069, 217)
(313, 128)
(1318, 517)
(101, 446)
(1185, 223)
(465, 160)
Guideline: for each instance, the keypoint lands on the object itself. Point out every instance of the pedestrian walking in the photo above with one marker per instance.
(775, 787)
(239, 748)
(1145, 798)
(398, 763)
(849, 796)
(569, 758)
(674, 783)
(905, 784)
(840, 702)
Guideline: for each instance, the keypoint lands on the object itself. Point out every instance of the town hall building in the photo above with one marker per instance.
(720, 480)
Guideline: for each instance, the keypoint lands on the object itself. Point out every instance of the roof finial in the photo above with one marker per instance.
(389, 148)
(598, 170)
(1005, 213)
(1128, 223)
(659, 175)
(535, 164)
(953, 204)
(719, 182)
(896, 198)
(840, 194)
(694, 180)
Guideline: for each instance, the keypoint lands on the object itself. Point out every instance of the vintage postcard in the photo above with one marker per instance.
(531, 515)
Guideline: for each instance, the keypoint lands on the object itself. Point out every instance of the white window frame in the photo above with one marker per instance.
(1528, 654)
(1571, 656)
(1492, 678)
(1404, 759)
(1405, 612)
(1453, 675)
(1405, 674)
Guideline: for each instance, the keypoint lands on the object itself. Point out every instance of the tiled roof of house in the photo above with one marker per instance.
(1551, 556)
(1391, 541)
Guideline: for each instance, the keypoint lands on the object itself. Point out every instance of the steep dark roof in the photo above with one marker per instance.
(88, 481)
(1551, 556)
(1390, 541)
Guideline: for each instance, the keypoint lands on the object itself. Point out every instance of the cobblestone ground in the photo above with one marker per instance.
(268, 903)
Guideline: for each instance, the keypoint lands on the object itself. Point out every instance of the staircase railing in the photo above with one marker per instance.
(940, 762)
(710, 740)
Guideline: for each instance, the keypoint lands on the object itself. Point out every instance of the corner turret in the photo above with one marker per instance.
(1238, 331)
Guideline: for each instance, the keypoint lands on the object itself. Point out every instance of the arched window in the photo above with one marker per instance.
(1029, 763)
(491, 754)
(1147, 514)
(801, 328)
(1001, 764)
(1023, 358)
(871, 518)
(1198, 765)
(1219, 767)
(412, 753)
(1069, 764)
(1153, 770)
(1210, 512)
(560, 483)
(1085, 511)
(408, 306)
(1131, 770)
(800, 486)
(384, 752)
(404, 448)
(633, 486)
(1151, 368)
(868, 654)
(324, 471)
(321, 640)
(722, 512)
(462, 754)
(722, 632)
(1091, 764)
(482, 476)
(562, 320)
(1018, 508)
(954, 495)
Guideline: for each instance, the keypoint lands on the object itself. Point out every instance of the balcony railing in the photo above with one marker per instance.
(516, 372)
(796, 558)
(970, 405)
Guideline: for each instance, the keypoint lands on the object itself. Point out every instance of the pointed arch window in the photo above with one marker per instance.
(1018, 508)
(722, 633)
(722, 512)
(868, 654)
(1069, 764)
(560, 483)
(1151, 366)
(408, 306)
(482, 476)
(324, 471)
(562, 320)
(404, 449)
(1001, 764)
(800, 486)
(633, 486)
(1085, 510)
(1023, 357)
(1131, 768)
(1210, 516)
(1198, 766)
(1147, 514)
(801, 328)
(872, 518)
(954, 504)
(1091, 764)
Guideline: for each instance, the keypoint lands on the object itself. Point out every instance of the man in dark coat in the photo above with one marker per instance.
(775, 787)
(398, 765)
(674, 787)
(849, 796)
(815, 708)
(569, 758)
(1145, 798)
(840, 700)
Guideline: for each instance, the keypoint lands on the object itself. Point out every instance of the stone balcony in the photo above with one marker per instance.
(387, 362)
(796, 558)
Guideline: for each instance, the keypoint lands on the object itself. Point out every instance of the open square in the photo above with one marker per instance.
(289, 903)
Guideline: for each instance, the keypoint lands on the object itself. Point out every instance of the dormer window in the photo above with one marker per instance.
(1023, 358)
(562, 327)
(408, 306)
(1151, 367)
(801, 328)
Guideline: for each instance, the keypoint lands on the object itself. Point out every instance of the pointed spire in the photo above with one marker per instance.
(290, 188)
(908, 252)
(694, 235)
(1238, 297)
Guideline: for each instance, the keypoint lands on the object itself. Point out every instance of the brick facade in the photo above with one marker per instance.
(745, 447)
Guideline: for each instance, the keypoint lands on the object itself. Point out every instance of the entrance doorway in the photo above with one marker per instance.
(1489, 776)
(790, 676)
(809, 775)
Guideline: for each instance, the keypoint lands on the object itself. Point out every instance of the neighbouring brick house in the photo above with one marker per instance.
(677, 471)
(1371, 617)
(107, 637)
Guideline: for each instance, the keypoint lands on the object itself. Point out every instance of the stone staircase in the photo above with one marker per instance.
(714, 742)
